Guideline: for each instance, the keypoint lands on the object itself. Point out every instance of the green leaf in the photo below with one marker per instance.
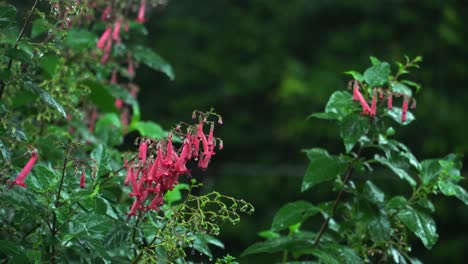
(49, 63)
(268, 234)
(352, 128)
(322, 167)
(7, 15)
(175, 194)
(449, 188)
(109, 129)
(356, 75)
(377, 75)
(100, 95)
(20, 55)
(430, 170)
(374, 60)
(45, 178)
(379, 227)
(201, 241)
(44, 96)
(5, 152)
(421, 224)
(395, 114)
(372, 193)
(335, 253)
(149, 129)
(101, 156)
(338, 106)
(293, 213)
(279, 244)
(417, 86)
(396, 203)
(9, 248)
(39, 26)
(80, 39)
(153, 60)
(401, 88)
(392, 165)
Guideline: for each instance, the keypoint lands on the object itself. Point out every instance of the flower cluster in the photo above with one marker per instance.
(112, 32)
(372, 109)
(159, 163)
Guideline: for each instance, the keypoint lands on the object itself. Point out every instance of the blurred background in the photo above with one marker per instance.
(265, 65)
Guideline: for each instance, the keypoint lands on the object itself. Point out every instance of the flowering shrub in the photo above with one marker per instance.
(67, 101)
(366, 222)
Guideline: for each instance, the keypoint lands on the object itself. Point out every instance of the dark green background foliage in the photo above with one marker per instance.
(266, 65)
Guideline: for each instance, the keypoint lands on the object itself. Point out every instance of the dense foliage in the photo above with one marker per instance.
(67, 102)
(371, 225)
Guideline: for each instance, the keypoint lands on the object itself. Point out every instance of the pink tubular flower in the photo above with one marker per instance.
(118, 103)
(373, 110)
(404, 109)
(26, 170)
(355, 91)
(116, 31)
(101, 44)
(141, 12)
(131, 69)
(83, 179)
(142, 151)
(106, 13)
(390, 102)
(365, 107)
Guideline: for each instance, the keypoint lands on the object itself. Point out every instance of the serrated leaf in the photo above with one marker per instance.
(175, 194)
(372, 193)
(377, 75)
(149, 129)
(374, 60)
(279, 244)
(80, 39)
(396, 202)
(5, 152)
(430, 170)
(395, 168)
(109, 129)
(421, 224)
(293, 213)
(100, 95)
(395, 114)
(379, 227)
(449, 188)
(153, 60)
(101, 156)
(9, 248)
(338, 106)
(44, 96)
(339, 253)
(356, 75)
(401, 89)
(417, 86)
(39, 26)
(322, 167)
(7, 15)
(352, 128)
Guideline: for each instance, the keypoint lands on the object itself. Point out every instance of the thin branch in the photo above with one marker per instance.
(335, 206)
(10, 63)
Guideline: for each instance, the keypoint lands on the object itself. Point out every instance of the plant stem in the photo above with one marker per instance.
(57, 205)
(138, 257)
(10, 63)
(335, 206)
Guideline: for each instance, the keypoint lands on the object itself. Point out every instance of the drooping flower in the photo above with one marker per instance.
(26, 170)
(101, 44)
(116, 31)
(355, 91)
(142, 151)
(141, 12)
(365, 107)
(404, 109)
(390, 102)
(83, 179)
(106, 13)
(118, 103)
